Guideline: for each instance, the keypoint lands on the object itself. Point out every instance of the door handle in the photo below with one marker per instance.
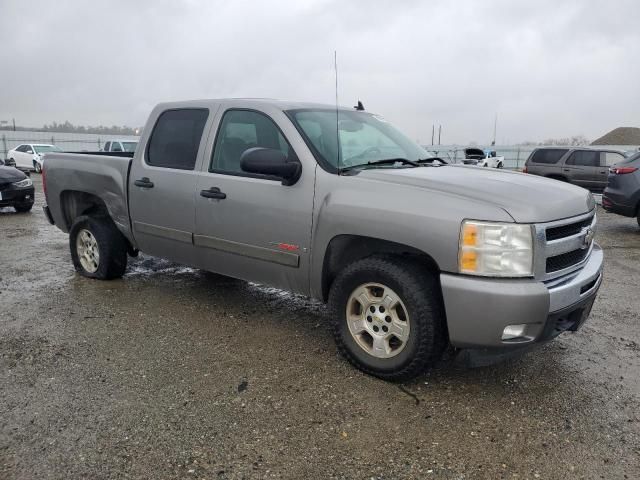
(566, 169)
(144, 182)
(213, 192)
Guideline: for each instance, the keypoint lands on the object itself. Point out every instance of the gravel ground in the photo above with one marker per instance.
(176, 373)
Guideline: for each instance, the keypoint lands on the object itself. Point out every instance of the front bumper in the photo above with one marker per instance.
(617, 203)
(479, 309)
(16, 195)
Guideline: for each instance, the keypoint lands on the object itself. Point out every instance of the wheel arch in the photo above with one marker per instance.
(75, 203)
(345, 248)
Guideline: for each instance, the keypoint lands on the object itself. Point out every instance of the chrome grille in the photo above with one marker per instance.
(563, 246)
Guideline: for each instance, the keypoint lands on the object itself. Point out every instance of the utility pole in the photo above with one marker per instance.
(439, 133)
(495, 126)
(14, 124)
(433, 132)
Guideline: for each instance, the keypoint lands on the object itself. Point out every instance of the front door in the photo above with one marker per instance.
(253, 227)
(24, 156)
(162, 184)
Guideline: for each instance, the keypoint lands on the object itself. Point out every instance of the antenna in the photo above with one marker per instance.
(335, 66)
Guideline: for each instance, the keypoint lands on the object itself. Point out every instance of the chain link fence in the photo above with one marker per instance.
(71, 142)
(514, 155)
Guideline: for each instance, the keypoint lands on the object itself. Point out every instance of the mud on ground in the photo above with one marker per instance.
(176, 373)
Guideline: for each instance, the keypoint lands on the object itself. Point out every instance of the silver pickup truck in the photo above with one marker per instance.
(414, 256)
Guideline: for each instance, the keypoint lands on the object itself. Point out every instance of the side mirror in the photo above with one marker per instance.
(268, 161)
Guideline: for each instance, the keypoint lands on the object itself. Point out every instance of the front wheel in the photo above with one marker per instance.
(37, 167)
(98, 249)
(388, 319)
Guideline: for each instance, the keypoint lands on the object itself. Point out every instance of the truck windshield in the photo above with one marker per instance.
(363, 138)
(129, 146)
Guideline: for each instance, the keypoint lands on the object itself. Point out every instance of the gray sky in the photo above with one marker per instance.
(548, 68)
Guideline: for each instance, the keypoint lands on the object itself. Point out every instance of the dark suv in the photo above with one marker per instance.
(622, 194)
(586, 167)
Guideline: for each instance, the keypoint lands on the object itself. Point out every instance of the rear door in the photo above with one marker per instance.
(162, 183)
(582, 168)
(24, 156)
(258, 229)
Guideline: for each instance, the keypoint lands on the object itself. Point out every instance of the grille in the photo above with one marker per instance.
(566, 260)
(563, 231)
(5, 186)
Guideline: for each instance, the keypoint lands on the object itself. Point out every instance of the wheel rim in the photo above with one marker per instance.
(88, 253)
(378, 320)
(38, 167)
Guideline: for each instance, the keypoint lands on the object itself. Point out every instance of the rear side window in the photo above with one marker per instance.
(176, 137)
(116, 147)
(548, 155)
(584, 158)
(611, 158)
(107, 146)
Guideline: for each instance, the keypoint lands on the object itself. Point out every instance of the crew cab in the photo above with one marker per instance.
(415, 257)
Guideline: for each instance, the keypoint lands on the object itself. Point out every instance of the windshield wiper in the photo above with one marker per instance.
(386, 161)
(431, 160)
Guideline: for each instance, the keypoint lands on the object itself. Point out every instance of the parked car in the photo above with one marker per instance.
(413, 256)
(622, 195)
(120, 146)
(16, 189)
(7, 162)
(30, 155)
(586, 167)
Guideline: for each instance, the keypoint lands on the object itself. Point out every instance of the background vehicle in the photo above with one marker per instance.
(263, 190)
(120, 146)
(491, 159)
(586, 167)
(622, 195)
(30, 155)
(16, 189)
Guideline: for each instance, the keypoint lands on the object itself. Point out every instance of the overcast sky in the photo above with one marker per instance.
(548, 68)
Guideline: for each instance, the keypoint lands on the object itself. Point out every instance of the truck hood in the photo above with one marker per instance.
(526, 198)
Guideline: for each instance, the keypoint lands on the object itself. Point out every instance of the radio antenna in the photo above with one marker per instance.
(335, 67)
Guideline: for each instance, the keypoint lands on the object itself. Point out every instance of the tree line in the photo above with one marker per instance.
(68, 127)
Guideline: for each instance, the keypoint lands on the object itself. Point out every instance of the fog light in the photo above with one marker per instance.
(513, 331)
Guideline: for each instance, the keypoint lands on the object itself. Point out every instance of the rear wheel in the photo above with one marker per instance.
(388, 319)
(98, 249)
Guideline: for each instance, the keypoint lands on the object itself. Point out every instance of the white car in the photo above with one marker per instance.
(29, 156)
(120, 146)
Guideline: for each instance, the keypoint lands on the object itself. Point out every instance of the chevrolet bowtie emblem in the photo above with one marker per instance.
(588, 238)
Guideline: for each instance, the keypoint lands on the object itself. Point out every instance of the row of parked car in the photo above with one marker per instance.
(29, 156)
(611, 172)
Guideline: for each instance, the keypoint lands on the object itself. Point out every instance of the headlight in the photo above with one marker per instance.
(23, 183)
(495, 249)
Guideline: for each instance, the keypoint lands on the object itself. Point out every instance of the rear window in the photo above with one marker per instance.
(176, 138)
(548, 155)
(631, 159)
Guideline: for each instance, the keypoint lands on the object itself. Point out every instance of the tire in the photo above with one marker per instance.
(106, 257)
(419, 297)
(500, 165)
(37, 167)
(23, 207)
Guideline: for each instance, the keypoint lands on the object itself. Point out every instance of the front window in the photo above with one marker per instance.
(46, 148)
(363, 137)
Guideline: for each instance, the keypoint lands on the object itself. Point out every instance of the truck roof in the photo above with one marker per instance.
(251, 103)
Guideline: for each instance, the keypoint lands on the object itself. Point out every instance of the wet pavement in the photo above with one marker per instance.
(177, 373)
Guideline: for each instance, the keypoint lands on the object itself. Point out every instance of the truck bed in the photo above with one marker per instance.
(70, 177)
